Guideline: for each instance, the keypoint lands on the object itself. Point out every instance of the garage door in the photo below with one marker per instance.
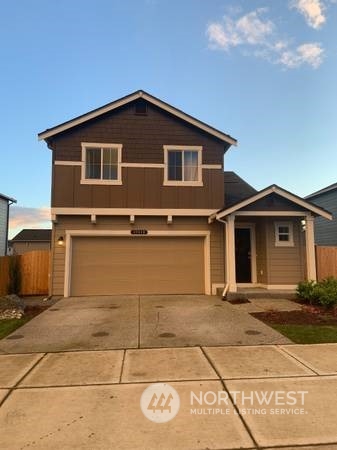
(137, 265)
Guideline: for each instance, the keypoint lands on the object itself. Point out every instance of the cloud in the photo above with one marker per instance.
(311, 54)
(257, 35)
(312, 10)
(248, 29)
(25, 217)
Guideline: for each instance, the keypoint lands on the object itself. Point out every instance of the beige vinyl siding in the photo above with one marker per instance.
(122, 223)
(286, 265)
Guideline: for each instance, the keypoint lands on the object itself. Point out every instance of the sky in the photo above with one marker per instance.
(263, 71)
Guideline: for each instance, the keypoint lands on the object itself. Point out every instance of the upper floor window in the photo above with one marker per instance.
(182, 165)
(284, 234)
(101, 163)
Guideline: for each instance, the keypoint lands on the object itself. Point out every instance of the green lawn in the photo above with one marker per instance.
(308, 334)
(10, 325)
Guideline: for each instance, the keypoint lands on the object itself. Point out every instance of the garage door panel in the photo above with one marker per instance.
(131, 265)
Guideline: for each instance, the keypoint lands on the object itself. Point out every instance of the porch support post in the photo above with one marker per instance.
(310, 247)
(230, 253)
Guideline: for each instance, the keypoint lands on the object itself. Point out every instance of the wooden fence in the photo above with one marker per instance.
(326, 262)
(34, 272)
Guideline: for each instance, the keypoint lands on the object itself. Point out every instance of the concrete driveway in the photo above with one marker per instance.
(119, 322)
(91, 399)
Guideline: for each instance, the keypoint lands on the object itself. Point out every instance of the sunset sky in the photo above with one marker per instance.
(262, 71)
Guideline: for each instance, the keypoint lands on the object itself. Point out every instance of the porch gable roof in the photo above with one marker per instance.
(274, 189)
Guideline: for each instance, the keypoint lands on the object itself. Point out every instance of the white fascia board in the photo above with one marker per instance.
(281, 193)
(140, 94)
(84, 118)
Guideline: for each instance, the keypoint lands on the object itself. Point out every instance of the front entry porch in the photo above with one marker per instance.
(269, 242)
(268, 252)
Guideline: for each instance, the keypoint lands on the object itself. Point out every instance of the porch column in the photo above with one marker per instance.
(310, 247)
(230, 253)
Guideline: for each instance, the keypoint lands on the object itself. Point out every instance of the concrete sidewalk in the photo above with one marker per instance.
(91, 399)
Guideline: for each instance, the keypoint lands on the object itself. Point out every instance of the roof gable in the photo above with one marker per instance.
(130, 98)
(30, 235)
(274, 189)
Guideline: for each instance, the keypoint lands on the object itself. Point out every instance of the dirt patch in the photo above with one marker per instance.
(309, 315)
(33, 310)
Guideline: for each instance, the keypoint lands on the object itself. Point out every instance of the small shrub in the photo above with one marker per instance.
(326, 292)
(323, 293)
(306, 290)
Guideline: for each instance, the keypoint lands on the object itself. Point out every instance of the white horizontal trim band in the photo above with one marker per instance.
(211, 166)
(131, 211)
(141, 165)
(67, 163)
(182, 233)
(271, 213)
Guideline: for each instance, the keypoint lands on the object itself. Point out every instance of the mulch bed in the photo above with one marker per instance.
(309, 315)
(238, 301)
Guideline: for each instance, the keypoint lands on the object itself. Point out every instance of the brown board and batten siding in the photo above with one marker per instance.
(141, 188)
(143, 138)
(150, 223)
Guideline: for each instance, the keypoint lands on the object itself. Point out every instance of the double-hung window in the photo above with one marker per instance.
(284, 234)
(182, 165)
(101, 163)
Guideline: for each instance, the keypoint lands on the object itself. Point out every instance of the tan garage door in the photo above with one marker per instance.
(137, 265)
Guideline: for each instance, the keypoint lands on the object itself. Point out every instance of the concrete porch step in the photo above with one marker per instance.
(247, 293)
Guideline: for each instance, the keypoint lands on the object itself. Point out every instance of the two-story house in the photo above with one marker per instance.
(141, 205)
(5, 203)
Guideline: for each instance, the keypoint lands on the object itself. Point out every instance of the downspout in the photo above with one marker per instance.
(9, 202)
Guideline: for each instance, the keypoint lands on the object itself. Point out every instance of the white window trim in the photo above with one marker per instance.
(168, 182)
(289, 243)
(98, 145)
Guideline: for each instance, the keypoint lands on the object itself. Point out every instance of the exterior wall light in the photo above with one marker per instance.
(60, 240)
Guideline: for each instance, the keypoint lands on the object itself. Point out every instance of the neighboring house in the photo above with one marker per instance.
(30, 239)
(141, 205)
(326, 232)
(5, 203)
